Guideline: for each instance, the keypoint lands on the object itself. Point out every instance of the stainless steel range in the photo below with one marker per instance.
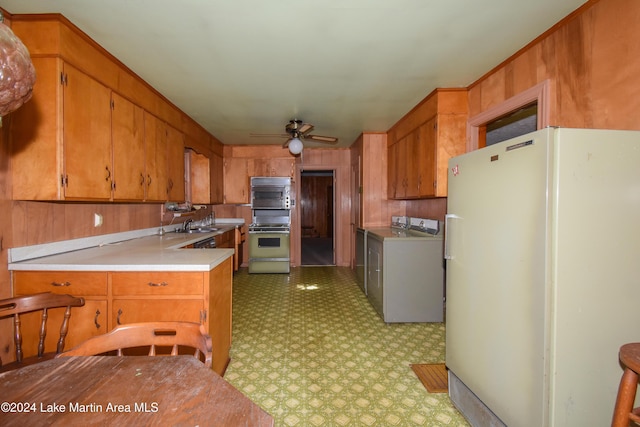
(269, 231)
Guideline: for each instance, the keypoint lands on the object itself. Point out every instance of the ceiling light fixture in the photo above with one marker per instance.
(295, 145)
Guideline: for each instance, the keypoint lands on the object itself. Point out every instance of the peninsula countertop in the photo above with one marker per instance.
(153, 252)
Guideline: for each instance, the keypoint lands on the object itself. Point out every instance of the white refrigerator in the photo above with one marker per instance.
(542, 253)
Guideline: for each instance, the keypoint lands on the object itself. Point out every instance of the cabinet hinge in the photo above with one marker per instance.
(64, 80)
(64, 181)
(113, 105)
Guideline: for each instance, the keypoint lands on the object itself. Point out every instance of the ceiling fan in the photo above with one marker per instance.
(296, 131)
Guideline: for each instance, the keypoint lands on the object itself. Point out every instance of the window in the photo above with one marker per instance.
(517, 115)
(516, 123)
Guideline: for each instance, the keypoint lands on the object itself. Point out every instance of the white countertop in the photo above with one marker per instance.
(150, 252)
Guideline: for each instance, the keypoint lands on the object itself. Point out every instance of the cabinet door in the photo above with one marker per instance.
(392, 174)
(451, 131)
(199, 177)
(86, 137)
(36, 163)
(410, 164)
(427, 159)
(236, 180)
(127, 134)
(282, 167)
(85, 322)
(259, 167)
(175, 165)
(216, 166)
(155, 141)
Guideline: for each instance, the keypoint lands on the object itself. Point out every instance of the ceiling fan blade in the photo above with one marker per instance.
(305, 128)
(320, 138)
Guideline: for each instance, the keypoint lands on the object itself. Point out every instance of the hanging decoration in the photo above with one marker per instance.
(17, 75)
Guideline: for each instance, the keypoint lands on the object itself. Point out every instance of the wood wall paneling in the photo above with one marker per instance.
(592, 60)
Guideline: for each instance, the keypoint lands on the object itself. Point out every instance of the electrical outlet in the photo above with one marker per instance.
(97, 220)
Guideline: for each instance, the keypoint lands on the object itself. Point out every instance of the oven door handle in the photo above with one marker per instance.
(269, 232)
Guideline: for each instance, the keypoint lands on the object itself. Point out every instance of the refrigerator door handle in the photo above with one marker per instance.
(447, 254)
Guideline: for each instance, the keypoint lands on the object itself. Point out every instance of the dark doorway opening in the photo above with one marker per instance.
(317, 216)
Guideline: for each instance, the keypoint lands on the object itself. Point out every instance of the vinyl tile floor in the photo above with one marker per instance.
(311, 351)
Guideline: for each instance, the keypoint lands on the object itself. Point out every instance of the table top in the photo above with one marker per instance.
(129, 390)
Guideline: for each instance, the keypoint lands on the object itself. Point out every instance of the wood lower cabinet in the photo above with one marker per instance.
(85, 322)
(115, 298)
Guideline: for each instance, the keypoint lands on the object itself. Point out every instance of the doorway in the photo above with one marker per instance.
(317, 217)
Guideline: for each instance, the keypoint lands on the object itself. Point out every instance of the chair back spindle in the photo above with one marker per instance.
(17, 306)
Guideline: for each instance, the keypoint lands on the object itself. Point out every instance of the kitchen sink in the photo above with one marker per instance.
(197, 230)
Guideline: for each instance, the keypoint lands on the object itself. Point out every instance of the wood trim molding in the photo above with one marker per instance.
(539, 93)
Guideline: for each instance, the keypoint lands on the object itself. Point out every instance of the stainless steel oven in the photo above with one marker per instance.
(270, 192)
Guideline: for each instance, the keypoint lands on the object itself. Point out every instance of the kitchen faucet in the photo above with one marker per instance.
(185, 226)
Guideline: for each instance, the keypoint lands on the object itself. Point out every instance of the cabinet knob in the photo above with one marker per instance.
(118, 318)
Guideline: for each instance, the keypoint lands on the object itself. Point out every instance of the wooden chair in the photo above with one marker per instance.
(30, 303)
(149, 334)
(624, 411)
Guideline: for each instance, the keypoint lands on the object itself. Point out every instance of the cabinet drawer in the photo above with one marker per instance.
(157, 283)
(77, 283)
(157, 310)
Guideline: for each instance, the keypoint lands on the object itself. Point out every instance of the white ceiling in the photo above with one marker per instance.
(347, 66)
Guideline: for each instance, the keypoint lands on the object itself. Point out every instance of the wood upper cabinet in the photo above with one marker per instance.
(205, 177)
(127, 134)
(421, 144)
(61, 140)
(216, 166)
(273, 167)
(88, 169)
(236, 180)
(175, 165)
(91, 131)
(155, 142)
(164, 160)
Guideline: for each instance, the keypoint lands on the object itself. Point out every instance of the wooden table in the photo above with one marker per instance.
(134, 390)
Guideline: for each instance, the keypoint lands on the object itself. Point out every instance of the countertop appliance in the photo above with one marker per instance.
(405, 274)
(542, 273)
(270, 192)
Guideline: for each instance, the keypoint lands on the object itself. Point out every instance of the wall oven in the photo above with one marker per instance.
(269, 249)
(270, 192)
(269, 241)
